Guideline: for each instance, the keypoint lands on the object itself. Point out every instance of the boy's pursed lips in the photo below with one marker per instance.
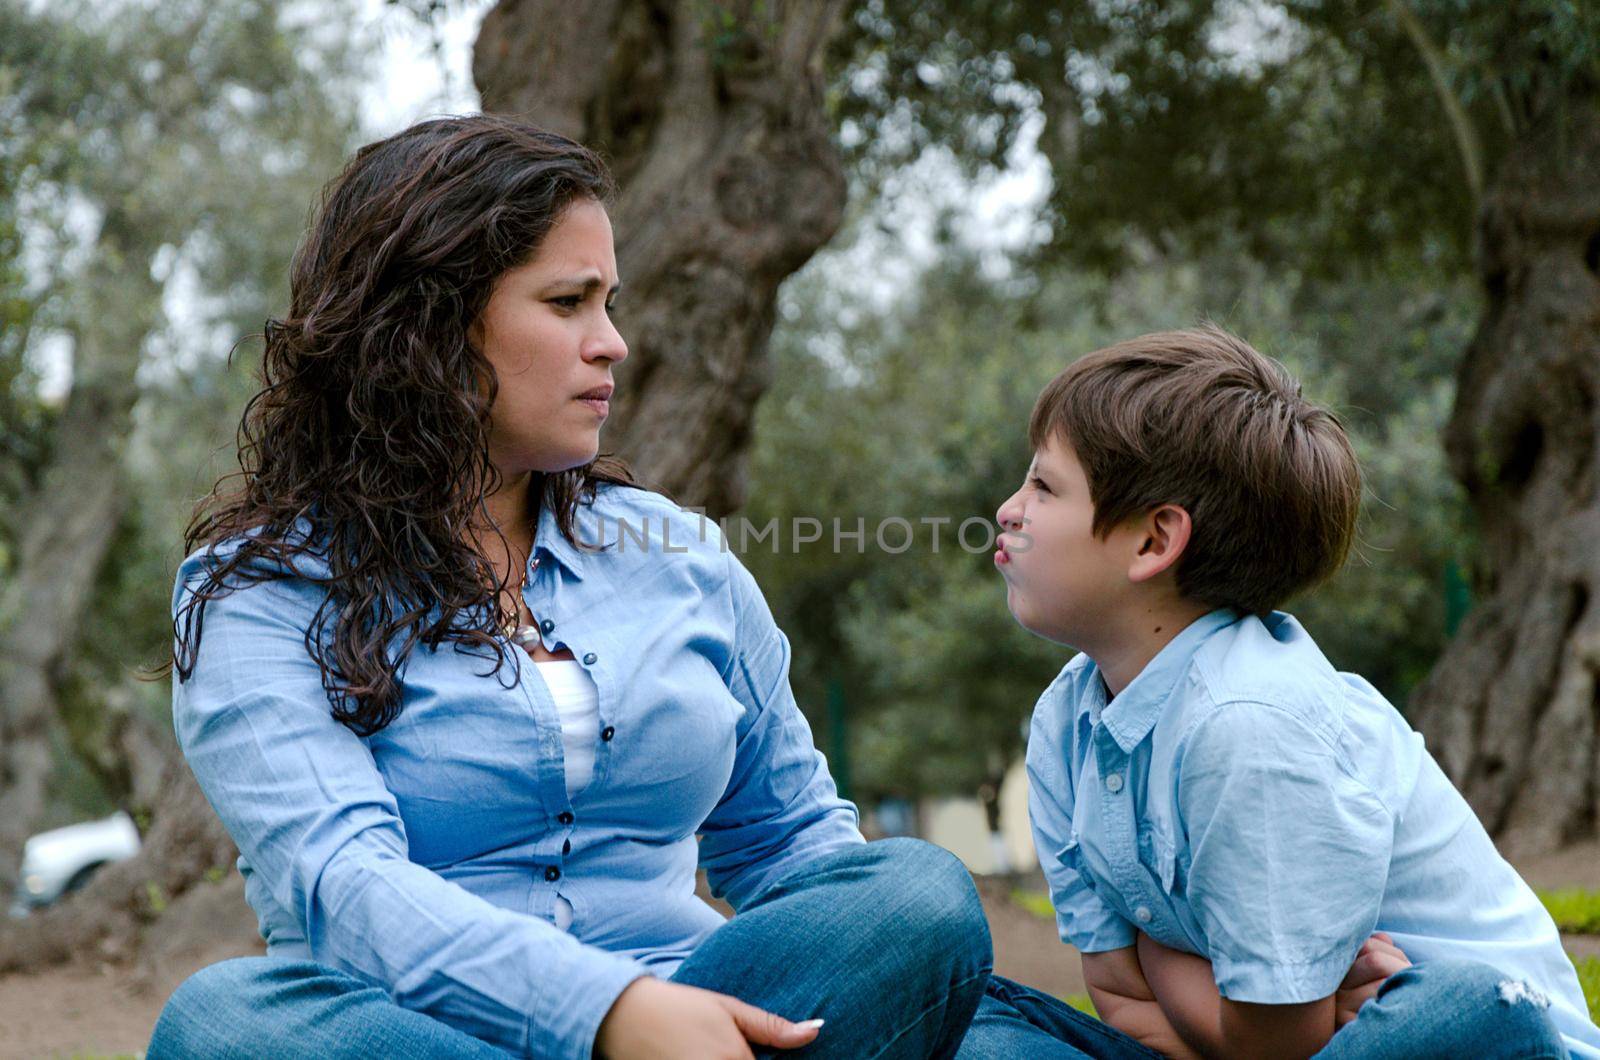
(1002, 557)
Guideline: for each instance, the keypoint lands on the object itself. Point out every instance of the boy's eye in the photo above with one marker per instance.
(1038, 483)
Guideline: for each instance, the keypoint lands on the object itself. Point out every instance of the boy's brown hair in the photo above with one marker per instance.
(1199, 419)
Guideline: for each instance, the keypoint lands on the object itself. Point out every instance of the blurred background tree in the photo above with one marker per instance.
(921, 411)
(159, 161)
(1396, 199)
(1337, 143)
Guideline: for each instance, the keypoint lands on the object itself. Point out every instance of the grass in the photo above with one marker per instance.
(1035, 902)
(1589, 979)
(1575, 911)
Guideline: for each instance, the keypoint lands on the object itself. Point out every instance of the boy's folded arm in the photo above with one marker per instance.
(1123, 999)
(1289, 856)
(1280, 1032)
(1186, 989)
(1187, 993)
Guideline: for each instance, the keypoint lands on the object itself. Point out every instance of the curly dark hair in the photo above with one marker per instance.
(372, 422)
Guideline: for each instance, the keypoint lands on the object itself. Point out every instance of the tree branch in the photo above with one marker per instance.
(1466, 135)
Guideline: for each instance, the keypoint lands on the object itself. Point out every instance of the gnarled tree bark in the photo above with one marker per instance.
(711, 114)
(1512, 709)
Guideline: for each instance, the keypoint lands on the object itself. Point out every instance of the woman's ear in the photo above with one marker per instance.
(1164, 534)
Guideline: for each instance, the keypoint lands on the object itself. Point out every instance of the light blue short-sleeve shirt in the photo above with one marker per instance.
(1244, 801)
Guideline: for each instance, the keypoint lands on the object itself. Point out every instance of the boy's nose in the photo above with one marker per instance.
(1009, 514)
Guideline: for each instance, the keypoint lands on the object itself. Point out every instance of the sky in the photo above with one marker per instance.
(414, 81)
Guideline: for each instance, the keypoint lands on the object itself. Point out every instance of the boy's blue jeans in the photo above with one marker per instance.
(1435, 1009)
(886, 941)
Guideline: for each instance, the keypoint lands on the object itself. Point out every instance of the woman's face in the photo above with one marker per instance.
(547, 331)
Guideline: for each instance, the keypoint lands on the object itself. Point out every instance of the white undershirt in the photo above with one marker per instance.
(578, 706)
(577, 701)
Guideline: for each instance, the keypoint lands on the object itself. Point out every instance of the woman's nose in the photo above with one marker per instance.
(607, 345)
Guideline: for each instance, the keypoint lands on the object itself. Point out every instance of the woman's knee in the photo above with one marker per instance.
(945, 908)
(220, 995)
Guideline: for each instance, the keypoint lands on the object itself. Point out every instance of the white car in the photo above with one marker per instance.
(61, 860)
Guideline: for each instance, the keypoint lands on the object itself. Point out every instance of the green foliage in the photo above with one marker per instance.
(155, 898)
(1313, 131)
(158, 163)
(1589, 978)
(1574, 909)
(920, 412)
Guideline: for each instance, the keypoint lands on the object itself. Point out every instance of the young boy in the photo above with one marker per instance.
(1242, 842)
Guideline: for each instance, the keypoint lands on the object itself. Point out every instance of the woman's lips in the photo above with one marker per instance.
(598, 399)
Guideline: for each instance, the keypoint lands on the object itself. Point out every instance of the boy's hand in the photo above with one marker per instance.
(1378, 960)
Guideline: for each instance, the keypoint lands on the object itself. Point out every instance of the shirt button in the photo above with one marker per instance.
(1114, 783)
(546, 626)
(590, 659)
(1142, 914)
(552, 874)
(536, 563)
(606, 733)
(565, 817)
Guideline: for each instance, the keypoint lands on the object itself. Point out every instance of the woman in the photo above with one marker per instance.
(465, 696)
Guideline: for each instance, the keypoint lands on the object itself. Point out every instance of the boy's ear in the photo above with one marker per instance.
(1163, 534)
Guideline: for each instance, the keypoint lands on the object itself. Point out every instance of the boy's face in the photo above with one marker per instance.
(1062, 582)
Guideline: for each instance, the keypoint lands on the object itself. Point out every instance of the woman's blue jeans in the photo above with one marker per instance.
(887, 942)
(1445, 1009)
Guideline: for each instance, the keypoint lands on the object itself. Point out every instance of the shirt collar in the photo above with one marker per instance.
(1132, 714)
(587, 525)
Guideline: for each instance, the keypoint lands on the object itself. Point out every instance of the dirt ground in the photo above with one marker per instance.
(84, 1011)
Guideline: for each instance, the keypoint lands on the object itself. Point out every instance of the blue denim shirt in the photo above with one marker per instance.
(1243, 801)
(428, 856)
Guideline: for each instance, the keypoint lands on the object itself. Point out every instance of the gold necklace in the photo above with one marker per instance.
(524, 637)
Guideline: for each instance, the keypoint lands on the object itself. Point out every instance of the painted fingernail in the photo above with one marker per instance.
(809, 1025)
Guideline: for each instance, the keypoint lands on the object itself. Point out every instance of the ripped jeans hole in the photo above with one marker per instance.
(1514, 990)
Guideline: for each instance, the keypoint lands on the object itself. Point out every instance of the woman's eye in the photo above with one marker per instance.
(569, 301)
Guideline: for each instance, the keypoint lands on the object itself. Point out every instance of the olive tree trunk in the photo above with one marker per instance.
(64, 529)
(711, 114)
(1512, 709)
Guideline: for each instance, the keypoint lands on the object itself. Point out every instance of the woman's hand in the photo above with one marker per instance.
(654, 1019)
(1378, 960)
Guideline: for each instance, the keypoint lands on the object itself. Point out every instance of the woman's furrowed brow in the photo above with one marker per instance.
(586, 283)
